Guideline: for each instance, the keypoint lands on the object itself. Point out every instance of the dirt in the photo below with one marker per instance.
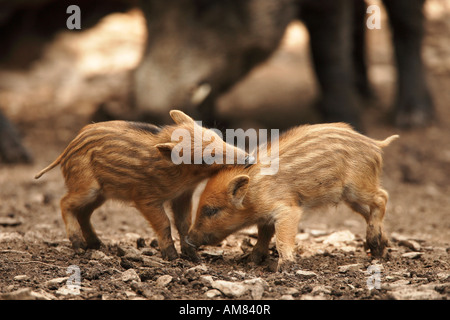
(58, 95)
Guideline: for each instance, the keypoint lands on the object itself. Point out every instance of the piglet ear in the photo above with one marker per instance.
(237, 189)
(180, 117)
(165, 149)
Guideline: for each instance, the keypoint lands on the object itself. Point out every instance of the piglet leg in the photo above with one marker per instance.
(261, 249)
(376, 239)
(76, 209)
(181, 208)
(286, 227)
(160, 223)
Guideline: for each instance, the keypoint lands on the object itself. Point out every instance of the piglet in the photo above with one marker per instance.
(133, 162)
(319, 165)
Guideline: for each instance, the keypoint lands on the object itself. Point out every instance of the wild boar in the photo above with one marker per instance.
(319, 165)
(132, 162)
(11, 148)
(198, 50)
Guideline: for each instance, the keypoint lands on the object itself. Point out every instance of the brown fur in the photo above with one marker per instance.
(318, 165)
(131, 162)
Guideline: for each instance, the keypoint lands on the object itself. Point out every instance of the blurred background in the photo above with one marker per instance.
(50, 72)
(137, 62)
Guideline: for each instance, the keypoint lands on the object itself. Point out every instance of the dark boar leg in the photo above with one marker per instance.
(329, 23)
(361, 78)
(261, 249)
(413, 106)
(11, 149)
(160, 223)
(181, 208)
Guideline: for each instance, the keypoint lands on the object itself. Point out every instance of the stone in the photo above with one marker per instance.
(27, 294)
(10, 237)
(292, 291)
(339, 237)
(303, 274)
(151, 262)
(443, 276)
(42, 295)
(194, 272)
(62, 249)
(237, 289)
(133, 257)
(200, 267)
(130, 294)
(213, 293)
(396, 284)
(33, 236)
(302, 237)
(163, 281)
(130, 275)
(21, 277)
(228, 288)
(319, 296)
(318, 232)
(349, 267)
(410, 244)
(128, 251)
(20, 294)
(56, 281)
(321, 289)
(213, 252)
(98, 255)
(348, 248)
(397, 237)
(256, 287)
(65, 291)
(415, 293)
(412, 255)
(148, 251)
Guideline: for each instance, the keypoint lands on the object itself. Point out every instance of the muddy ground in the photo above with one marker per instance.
(52, 100)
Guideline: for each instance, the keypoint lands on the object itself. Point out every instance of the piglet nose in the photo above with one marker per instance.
(249, 160)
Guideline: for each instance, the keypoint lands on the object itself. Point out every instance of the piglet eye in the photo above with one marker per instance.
(209, 211)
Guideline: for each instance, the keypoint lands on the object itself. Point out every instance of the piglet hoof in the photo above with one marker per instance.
(169, 253)
(257, 257)
(78, 245)
(272, 266)
(377, 249)
(96, 245)
(79, 251)
(286, 266)
(379, 256)
(189, 253)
